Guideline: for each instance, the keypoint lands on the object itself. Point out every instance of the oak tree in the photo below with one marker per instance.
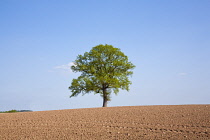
(104, 69)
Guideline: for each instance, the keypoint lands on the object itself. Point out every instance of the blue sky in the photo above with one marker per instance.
(168, 41)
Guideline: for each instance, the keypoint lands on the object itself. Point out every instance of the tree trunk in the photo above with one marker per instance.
(105, 97)
(105, 101)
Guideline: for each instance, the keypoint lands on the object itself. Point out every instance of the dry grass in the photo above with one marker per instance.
(134, 122)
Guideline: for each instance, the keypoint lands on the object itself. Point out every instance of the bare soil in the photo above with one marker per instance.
(117, 123)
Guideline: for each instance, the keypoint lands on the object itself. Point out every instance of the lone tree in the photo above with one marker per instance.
(104, 69)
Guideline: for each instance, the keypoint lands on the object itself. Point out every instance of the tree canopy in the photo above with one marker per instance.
(105, 69)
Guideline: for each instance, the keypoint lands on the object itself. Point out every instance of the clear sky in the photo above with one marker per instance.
(168, 41)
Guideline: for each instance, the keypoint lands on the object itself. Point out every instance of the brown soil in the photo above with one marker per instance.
(133, 122)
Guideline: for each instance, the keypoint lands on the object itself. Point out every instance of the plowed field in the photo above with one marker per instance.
(133, 122)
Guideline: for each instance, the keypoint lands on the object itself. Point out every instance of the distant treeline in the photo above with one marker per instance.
(13, 111)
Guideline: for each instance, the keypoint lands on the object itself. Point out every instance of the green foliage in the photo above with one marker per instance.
(10, 111)
(104, 69)
(14, 111)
